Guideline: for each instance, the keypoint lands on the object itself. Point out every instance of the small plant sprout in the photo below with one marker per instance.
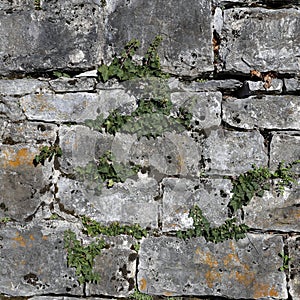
(47, 153)
(285, 261)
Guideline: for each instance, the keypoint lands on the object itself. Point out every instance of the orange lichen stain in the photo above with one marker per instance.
(205, 258)
(23, 262)
(245, 278)
(211, 277)
(31, 237)
(19, 158)
(143, 284)
(230, 259)
(20, 240)
(264, 290)
(44, 237)
(168, 294)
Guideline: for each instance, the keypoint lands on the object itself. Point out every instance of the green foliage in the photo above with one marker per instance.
(123, 67)
(5, 220)
(60, 74)
(107, 170)
(202, 227)
(47, 153)
(93, 228)
(82, 257)
(258, 180)
(285, 264)
(137, 295)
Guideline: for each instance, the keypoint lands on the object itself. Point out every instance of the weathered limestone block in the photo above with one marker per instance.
(244, 269)
(294, 266)
(74, 107)
(131, 202)
(23, 187)
(19, 87)
(172, 154)
(118, 269)
(29, 132)
(270, 112)
(33, 261)
(261, 39)
(285, 146)
(292, 85)
(28, 36)
(231, 152)
(63, 84)
(180, 195)
(205, 107)
(187, 34)
(258, 87)
(274, 211)
(10, 108)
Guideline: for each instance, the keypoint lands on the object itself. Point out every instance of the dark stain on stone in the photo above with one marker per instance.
(31, 278)
(132, 257)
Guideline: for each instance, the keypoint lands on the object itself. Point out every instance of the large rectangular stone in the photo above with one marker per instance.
(270, 112)
(294, 266)
(244, 269)
(44, 39)
(261, 39)
(187, 33)
(19, 87)
(232, 152)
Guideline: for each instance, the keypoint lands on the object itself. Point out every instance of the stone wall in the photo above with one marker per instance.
(234, 66)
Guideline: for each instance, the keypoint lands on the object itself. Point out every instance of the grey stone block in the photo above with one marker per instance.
(244, 269)
(23, 187)
(205, 107)
(19, 87)
(228, 152)
(62, 35)
(270, 112)
(73, 107)
(294, 266)
(180, 195)
(285, 147)
(128, 203)
(33, 261)
(261, 39)
(83, 84)
(10, 108)
(187, 34)
(275, 211)
(292, 85)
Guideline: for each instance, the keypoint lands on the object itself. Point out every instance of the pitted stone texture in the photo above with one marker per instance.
(73, 84)
(205, 107)
(117, 268)
(28, 36)
(23, 187)
(172, 154)
(244, 269)
(270, 112)
(187, 34)
(29, 132)
(261, 39)
(131, 202)
(294, 266)
(33, 261)
(74, 107)
(180, 195)
(285, 147)
(19, 87)
(10, 108)
(230, 152)
(292, 84)
(274, 211)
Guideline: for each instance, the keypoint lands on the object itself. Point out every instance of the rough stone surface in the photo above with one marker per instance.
(260, 39)
(243, 269)
(294, 263)
(270, 112)
(292, 85)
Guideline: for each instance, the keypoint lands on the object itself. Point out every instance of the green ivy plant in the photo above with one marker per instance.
(258, 180)
(286, 260)
(60, 74)
(107, 170)
(82, 257)
(123, 67)
(202, 227)
(93, 228)
(47, 153)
